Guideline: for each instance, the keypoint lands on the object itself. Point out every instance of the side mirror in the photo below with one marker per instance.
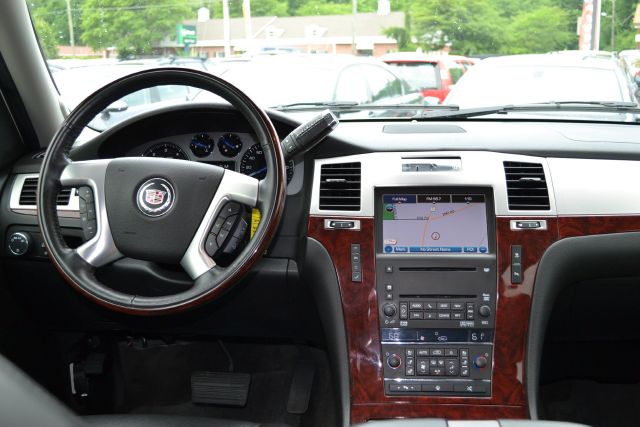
(636, 79)
(117, 107)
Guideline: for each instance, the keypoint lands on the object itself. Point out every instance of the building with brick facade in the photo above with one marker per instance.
(312, 34)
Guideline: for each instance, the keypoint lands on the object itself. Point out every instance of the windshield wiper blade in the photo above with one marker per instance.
(313, 105)
(339, 106)
(584, 106)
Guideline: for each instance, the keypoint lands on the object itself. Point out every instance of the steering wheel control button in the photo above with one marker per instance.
(85, 194)
(228, 231)
(211, 246)
(19, 243)
(217, 225)
(155, 197)
(241, 229)
(231, 208)
(231, 246)
(87, 210)
(229, 222)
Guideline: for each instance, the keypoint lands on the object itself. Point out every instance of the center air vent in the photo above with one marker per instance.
(29, 193)
(526, 187)
(340, 187)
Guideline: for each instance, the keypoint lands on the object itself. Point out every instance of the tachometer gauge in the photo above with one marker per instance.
(254, 164)
(201, 145)
(229, 144)
(166, 150)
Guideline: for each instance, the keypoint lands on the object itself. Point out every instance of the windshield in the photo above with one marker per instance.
(420, 75)
(488, 85)
(364, 53)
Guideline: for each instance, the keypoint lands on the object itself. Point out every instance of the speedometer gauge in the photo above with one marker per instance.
(254, 164)
(166, 150)
(229, 144)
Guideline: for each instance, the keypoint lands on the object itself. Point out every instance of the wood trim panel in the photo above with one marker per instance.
(359, 302)
(362, 412)
(572, 226)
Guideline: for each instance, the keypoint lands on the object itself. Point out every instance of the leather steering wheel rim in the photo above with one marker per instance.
(78, 269)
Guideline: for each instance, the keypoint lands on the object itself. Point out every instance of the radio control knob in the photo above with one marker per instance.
(19, 243)
(389, 310)
(480, 362)
(394, 361)
(484, 311)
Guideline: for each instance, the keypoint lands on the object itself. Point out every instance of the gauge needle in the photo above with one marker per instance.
(259, 171)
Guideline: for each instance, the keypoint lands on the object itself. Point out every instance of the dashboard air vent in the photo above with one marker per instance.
(340, 187)
(526, 186)
(29, 193)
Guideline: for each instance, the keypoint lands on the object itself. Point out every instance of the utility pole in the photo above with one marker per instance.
(354, 13)
(226, 30)
(72, 41)
(613, 25)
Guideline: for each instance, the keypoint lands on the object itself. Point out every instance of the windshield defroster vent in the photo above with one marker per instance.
(526, 187)
(29, 193)
(340, 187)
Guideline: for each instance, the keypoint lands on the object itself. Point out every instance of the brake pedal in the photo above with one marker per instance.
(220, 388)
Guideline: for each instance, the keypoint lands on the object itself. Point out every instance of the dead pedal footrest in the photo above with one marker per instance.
(220, 388)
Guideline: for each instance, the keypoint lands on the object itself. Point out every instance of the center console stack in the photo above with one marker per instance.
(436, 285)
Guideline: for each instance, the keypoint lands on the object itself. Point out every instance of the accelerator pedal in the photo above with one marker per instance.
(301, 384)
(220, 388)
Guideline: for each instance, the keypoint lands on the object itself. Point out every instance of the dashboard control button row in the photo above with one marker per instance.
(516, 264)
(356, 266)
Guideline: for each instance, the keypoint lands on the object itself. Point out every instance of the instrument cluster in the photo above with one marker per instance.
(236, 151)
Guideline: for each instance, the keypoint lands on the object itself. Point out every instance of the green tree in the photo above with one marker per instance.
(537, 31)
(54, 13)
(401, 36)
(131, 26)
(47, 37)
(468, 26)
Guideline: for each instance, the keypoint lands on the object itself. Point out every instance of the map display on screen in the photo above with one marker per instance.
(434, 223)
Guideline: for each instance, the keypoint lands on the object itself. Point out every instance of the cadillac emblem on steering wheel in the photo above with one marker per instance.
(155, 197)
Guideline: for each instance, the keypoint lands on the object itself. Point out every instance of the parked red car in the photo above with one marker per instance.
(434, 75)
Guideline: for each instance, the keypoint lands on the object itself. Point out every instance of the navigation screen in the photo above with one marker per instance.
(434, 223)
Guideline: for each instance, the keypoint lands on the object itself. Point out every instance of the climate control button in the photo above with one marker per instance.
(480, 362)
(394, 361)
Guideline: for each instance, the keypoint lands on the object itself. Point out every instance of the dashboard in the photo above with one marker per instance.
(422, 243)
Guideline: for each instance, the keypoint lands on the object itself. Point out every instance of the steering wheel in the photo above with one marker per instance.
(158, 210)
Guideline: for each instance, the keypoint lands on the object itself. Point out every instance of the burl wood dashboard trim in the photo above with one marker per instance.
(360, 306)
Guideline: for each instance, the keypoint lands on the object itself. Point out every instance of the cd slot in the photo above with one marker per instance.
(469, 269)
(437, 296)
